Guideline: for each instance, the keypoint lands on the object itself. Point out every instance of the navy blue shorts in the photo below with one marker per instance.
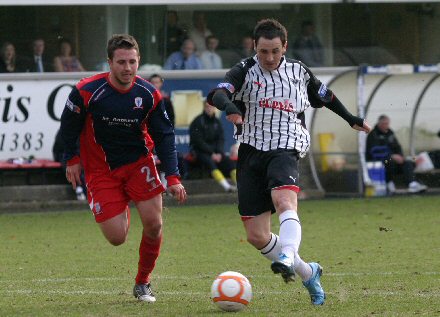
(260, 172)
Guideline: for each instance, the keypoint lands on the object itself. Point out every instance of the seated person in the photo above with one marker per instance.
(382, 145)
(207, 143)
(210, 59)
(66, 61)
(186, 58)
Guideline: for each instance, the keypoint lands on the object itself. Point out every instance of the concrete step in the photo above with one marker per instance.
(36, 193)
(62, 197)
(41, 205)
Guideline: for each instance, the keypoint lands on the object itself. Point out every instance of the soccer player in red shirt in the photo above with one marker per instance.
(117, 116)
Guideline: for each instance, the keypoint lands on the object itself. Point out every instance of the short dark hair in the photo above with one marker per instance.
(270, 29)
(155, 76)
(118, 41)
(383, 117)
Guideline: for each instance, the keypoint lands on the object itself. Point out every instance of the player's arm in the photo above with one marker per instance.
(162, 133)
(320, 95)
(72, 122)
(221, 96)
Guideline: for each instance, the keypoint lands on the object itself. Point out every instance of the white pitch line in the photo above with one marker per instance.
(370, 293)
(169, 277)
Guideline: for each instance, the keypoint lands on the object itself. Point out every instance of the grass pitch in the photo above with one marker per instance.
(381, 257)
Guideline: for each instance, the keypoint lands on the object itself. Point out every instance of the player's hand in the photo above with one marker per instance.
(365, 127)
(235, 118)
(73, 173)
(178, 192)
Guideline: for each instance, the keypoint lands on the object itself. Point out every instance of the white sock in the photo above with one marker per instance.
(290, 233)
(225, 184)
(302, 268)
(272, 249)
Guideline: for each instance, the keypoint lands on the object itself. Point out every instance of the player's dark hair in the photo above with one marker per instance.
(118, 41)
(270, 29)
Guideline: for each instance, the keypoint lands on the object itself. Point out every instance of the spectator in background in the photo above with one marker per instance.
(247, 47)
(200, 32)
(172, 36)
(65, 61)
(307, 47)
(9, 62)
(38, 62)
(210, 59)
(185, 58)
(157, 82)
(382, 145)
(207, 145)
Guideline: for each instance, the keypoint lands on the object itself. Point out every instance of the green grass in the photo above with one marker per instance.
(59, 264)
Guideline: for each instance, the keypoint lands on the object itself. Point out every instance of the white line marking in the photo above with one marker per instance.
(169, 277)
(370, 293)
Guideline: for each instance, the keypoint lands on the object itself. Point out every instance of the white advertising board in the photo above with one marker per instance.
(30, 111)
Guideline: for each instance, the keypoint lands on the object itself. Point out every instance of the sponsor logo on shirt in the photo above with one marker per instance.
(138, 103)
(276, 103)
(227, 86)
(72, 106)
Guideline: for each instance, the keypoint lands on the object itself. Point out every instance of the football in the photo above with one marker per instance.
(231, 291)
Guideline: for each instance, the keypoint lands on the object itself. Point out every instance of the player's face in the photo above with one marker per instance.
(123, 67)
(269, 52)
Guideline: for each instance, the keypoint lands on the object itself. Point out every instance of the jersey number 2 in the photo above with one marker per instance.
(146, 170)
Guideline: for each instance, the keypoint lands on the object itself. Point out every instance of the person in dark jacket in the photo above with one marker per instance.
(207, 144)
(382, 145)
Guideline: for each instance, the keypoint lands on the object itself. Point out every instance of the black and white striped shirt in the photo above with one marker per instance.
(273, 103)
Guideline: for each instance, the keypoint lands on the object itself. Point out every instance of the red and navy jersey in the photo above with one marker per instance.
(116, 127)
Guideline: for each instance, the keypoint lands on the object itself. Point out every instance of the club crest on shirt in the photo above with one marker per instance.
(294, 81)
(138, 103)
(261, 85)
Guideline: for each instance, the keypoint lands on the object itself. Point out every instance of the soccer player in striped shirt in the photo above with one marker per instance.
(265, 96)
(116, 116)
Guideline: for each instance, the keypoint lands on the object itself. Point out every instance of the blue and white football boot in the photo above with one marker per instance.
(284, 265)
(313, 285)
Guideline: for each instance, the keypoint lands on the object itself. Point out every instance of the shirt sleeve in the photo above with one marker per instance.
(162, 133)
(320, 95)
(233, 80)
(72, 122)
